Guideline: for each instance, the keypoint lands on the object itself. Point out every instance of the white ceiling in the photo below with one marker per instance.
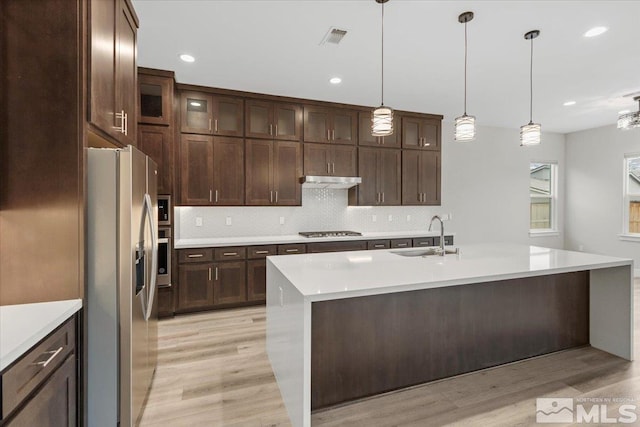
(274, 47)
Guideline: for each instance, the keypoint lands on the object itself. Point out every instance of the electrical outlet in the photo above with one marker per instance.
(374, 218)
(228, 220)
(198, 221)
(408, 218)
(281, 220)
(390, 218)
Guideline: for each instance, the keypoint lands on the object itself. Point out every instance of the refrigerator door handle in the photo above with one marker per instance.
(148, 211)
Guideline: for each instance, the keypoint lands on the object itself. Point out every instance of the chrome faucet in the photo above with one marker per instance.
(441, 252)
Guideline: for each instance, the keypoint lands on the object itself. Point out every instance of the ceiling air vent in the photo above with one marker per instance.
(334, 36)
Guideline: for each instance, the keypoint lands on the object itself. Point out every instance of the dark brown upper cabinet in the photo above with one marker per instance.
(273, 174)
(420, 177)
(113, 72)
(365, 137)
(209, 114)
(381, 174)
(212, 170)
(273, 120)
(155, 99)
(330, 125)
(157, 143)
(421, 133)
(330, 160)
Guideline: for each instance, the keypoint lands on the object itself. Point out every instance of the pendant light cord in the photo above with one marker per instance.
(465, 68)
(382, 58)
(531, 85)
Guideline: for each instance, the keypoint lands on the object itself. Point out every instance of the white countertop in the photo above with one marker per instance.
(24, 325)
(336, 275)
(296, 238)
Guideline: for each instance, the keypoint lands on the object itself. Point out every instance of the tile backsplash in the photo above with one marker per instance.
(322, 209)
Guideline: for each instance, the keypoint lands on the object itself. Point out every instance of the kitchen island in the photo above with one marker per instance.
(342, 326)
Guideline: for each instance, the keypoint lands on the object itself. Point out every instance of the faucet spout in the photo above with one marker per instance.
(442, 251)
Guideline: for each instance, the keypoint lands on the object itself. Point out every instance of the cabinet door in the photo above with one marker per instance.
(287, 120)
(344, 161)
(228, 116)
(228, 171)
(256, 280)
(103, 72)
(316, 124)
(155, 141)
(411, 188)
(392, 141)
(259, 119)
(336, 246)
(364, 130)
(317, 159)
(390, 176)
(155, 99)
(431, 134)
(165, 301)
(430, 177)
(229, 286)
(259, 172)
(411, 132)
(287, 169)
(195, 287)
(126, 75)
(196, 111)
(344, 127)
(196, 153)
(368, 192)
(55, 404)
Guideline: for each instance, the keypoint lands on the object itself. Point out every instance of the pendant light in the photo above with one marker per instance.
(382, 117)
(465, 128)
(530, 133)
(630, 120)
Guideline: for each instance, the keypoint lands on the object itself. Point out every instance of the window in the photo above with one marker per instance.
(631, 194)
(543, 195)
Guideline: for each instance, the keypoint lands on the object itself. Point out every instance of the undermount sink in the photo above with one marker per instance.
(425, 252)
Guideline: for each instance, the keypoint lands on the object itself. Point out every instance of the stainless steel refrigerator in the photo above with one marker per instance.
(122, 229)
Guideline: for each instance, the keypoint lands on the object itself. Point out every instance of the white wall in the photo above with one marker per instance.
(485, 186)
(594, 186)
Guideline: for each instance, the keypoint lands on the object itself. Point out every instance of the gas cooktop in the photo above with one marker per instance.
(329, 233)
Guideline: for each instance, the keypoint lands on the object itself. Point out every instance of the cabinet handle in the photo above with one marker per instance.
(210, 195)
(333, 134)
(216, 196)
(209, 273)
(261, 252)
(126, 123)
(333, 168)
(328, 135)
(401, 245)
(120, 116)
(383, 197)
(270, 196)
(230, 254)
(209, 125)
(216, 273)
(378, 246)
(270, 129)
(215, 125)
(291, 250)
(276, 197)
(328, 168)
(53, 354)
(276, 129)
(195, 255)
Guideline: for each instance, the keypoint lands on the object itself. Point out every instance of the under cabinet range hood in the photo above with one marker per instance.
(336, 182)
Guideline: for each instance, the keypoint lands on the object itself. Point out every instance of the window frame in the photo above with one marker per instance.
(627, 198)
(553, 198)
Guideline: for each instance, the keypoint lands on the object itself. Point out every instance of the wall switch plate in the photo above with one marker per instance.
(374, 218)
(408, 218)
(198, 221)
(228, 220)
(281, 220)
(390, 218)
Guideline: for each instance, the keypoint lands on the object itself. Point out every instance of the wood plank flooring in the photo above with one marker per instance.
(213, 371)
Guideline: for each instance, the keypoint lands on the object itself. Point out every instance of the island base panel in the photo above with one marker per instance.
(369, 345)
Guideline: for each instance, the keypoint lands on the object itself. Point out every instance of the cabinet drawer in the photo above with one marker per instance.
(337, 246)
(36, 365)
(295, 248)
(257, 252)
(423, 241)
(448, 240)
(400, 243)
(234, 252)
(378, 244)
(195, 255)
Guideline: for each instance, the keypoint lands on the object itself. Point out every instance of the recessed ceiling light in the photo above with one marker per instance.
(195, 104)
(569, 103)
(596, 31)
(624, 112)
(335, 80)
(187, 58)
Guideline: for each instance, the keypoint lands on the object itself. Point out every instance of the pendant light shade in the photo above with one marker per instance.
(465, 126)
(382, 117)
(530, 134)
(630, 120)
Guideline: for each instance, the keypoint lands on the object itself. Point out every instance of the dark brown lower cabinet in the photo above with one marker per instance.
(360, 245)
(165, 302)
(195, 288)
(229, 285)
(256, 280)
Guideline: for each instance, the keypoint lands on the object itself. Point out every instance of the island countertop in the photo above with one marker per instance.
(335, 275)
(24, 325)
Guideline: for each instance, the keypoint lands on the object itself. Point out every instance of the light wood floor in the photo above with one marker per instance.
(213, 371)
